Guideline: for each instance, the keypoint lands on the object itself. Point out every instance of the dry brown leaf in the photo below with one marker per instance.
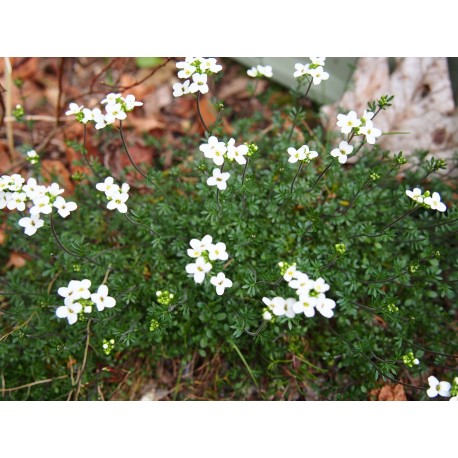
(16, 260)
(392, 393)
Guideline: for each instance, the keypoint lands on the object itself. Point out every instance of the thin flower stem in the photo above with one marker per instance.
(127, 152)
(297, 174)
(83, 365)
(105, 278)
(138, 223)
(298, 110)
(200, 114)
(28, 385)
(86, 159)
(54, 233)
(243, 182)
(321, 175)
(217, 189)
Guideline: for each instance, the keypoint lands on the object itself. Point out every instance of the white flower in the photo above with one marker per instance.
(221, 283)
(54, 190)
(41, 205)
(260, 70)
(74, 109)
(435, 203)
(199, 83)
(217, 251)
(416, 361)
(101, 298)
(438, 388)
(348, 122)
(32, 189)
(15, 182)
(325, 305)
(277, 305)
(80, 289)
(70, 312)
(302, 283)
(288, 275)
(181, 89)
(114, 111)
(108, 186)
(296, 154)
(317, 60)
(318, 75)
(31, 225)
(64, 208)
(99, 119)
(186, 70)
(309, 155)
(289, 307)
(236, 153)
(68, 292)
(301, 70)
(210, 64)
(4, 199)
(342, 151)
(416, 195)
(370, 132)
(198, 246)
(367, 116)
(111, 98)
(253, 72)
(267, 315)
(117, 201)
(306, 305)
(32, 156)
(199, 269)
(16, 201)
(214, 149)
(131, 103)
(320, 286)
(218, 179)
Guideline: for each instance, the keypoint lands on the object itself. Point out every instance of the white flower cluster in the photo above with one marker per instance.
(427, 200)
(117, 196)
(314, 70)
(197, 69)
(443, 388)
(205, 251)
(302, 154)
(116, 107)
(78, 299)
(259, 71)
(350, 123)
(311, 296)
(38, 199)
(218, 151)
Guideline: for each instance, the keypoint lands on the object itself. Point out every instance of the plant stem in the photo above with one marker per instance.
(127, 151)
(200, 114)
(297, 174)
(298, 110)
(83, 366)
(321, 175)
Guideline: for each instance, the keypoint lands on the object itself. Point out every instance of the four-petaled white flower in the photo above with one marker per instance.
(42, 204)
(318, 75)
(118, 201)
(111, 99)
(296, 154)
(186, 70)
(131, 103)
(32, 224)
(221, 283)
(325, 305)
(181, 89)
(306, 305)
(416, 195)
(199, 83)
(199, 269)
(210, 65)
(70, 312)
(114, 111)
(302, 283)
(64, 208)
(217, 251)
(74, 109)
(198, 246)
(236, 153)
(108, 186)
(101, 298)
(435, 203)
(218, 179)
(342, 151)
(214, 149)
(320, 286)
(318, 60)
(370, 132)
(290, 272)
(260, 70)
(301, 70)
(348, 122)
(438, 388)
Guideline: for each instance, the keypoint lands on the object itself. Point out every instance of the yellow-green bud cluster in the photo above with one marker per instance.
(340, 248)
(108, 346)
(374, 176)
(409, 359)
(284, 266)
(252, 149)
(454, 388)
(392, 308)
(153, 325)
(164, 297)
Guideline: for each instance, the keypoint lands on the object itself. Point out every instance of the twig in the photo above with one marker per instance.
(59, 96)
(38, 382)
(8, 108)
(83, 366)
(127, 151)
(200, 114)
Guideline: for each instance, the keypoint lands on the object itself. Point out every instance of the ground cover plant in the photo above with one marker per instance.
(254, 260)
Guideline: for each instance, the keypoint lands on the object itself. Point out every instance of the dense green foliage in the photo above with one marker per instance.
(394, 285)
